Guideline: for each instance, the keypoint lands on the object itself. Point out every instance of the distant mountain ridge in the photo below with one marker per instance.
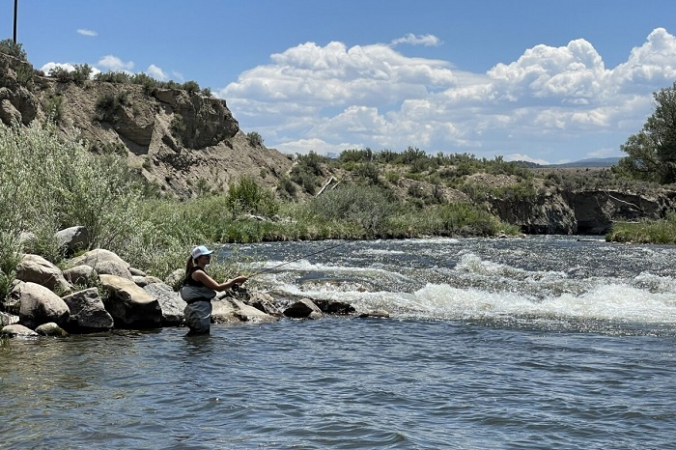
(589, 162)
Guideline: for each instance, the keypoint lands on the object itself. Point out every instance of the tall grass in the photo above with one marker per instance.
(646, 232)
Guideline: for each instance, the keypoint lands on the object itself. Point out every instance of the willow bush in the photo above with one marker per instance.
(48, 185)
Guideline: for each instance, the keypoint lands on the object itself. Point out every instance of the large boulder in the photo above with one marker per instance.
(170, 301)
(104, 262)
(73, 239)
(130, 305)
(38, 305)
(87, 312)
(9, 115)
(36, 269)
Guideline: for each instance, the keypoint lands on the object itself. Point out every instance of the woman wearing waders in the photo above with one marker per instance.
(199, 289)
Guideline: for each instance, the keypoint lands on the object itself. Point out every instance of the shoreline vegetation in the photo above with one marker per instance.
(50, 185)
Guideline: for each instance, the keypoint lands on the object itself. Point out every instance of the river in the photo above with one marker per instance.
(534, 343)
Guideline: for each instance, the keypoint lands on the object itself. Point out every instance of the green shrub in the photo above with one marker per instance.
(149, 84)
(287, 186)
(25, 75)
(248, 197)
(50, 185)
(191, 87)
(54, 106)
(661, 231)
(61, 74)
(113, 77)
(81, 73)
(254, 139)
(367, 206)
(10, 255)
(15, 49)
(109, 106)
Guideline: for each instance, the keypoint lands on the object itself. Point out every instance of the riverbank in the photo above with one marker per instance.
(99, 292)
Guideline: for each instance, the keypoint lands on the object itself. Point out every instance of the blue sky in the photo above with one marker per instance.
(546, 81)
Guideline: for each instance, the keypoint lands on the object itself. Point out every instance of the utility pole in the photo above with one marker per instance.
(16, 6)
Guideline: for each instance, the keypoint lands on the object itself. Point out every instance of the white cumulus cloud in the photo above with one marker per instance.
(115, 64)
(156, 73)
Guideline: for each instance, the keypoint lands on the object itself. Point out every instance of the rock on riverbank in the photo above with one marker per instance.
(101, 292)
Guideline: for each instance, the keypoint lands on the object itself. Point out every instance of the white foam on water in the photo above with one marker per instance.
(304, 265)
(473, 264)
(606, 302)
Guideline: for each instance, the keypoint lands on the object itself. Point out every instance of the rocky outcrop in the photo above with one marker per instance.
(544, 214)
(596, 210)
(172, 137)
(582, 211)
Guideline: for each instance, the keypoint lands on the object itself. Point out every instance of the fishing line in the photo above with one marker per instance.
(297, 259)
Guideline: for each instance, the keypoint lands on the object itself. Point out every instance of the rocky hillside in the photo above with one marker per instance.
(188, 143)
(184, 142)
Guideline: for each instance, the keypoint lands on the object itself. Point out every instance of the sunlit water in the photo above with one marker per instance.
(538, 343)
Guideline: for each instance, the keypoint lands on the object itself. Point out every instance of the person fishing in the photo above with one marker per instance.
(199, 289)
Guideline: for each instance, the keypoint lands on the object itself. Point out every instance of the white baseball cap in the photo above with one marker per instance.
(200, 250)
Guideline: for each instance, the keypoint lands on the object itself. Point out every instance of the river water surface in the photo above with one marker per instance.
(536, 343)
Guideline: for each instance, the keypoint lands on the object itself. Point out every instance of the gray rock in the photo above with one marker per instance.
(81, 275)
(8, 319)
(137, 272)
(303, 309)
(248, 313)
(129, 304)
(39, 305)
(378, 314)
(36, 269)
(17, 330)
(224, 312)
(264, 302)
(143, 281)
(104, 262)
(51, 329)
(8, 113)
(73, 239)
(334, 307)
(87, 312)
(175, 278)
(170, 301)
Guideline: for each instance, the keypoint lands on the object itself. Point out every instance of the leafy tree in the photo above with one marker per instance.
(652, 151)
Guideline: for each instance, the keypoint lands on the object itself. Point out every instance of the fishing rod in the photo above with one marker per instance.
(297, 259)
